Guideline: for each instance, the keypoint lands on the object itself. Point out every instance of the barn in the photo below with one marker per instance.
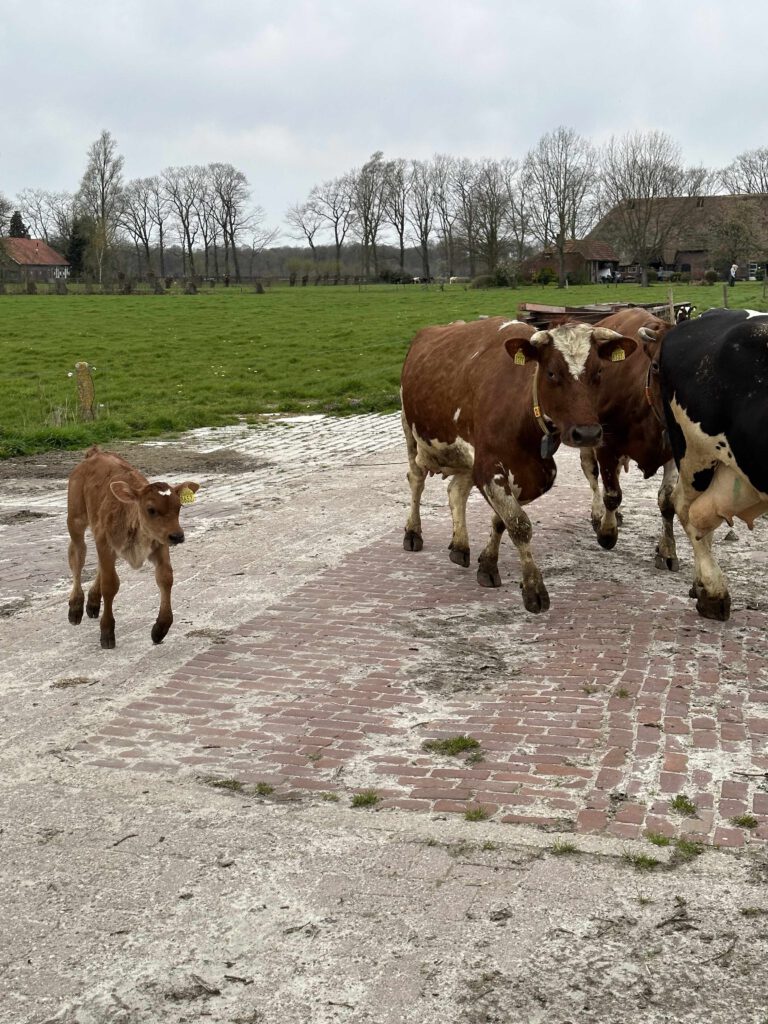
(31, 259)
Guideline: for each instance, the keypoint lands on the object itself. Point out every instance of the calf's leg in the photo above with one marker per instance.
(591, 471)
(608, 529)
(93, 604)
(110, 584)
(161, 560)
(76, 526)
(412, 541)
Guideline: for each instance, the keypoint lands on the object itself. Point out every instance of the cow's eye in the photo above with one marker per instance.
(551, 375)
(151, 511)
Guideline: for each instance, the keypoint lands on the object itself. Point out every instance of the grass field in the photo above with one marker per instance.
(167, 363)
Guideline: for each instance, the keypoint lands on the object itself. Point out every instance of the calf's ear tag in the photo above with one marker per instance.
(186, 496)
(549, 445)
(617, 355)
(520, 357)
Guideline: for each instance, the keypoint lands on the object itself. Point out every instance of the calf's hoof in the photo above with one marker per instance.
(108, 639)
(75, 615)
(92, 610)
(412, 541)
(488, 576)
(607, 540)
(718, 608)
(459, 556)
(535, 598)
(159, 632)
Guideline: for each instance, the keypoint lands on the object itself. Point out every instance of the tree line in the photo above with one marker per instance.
(454, 215)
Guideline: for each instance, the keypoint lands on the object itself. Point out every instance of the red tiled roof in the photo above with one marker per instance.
(32, 252)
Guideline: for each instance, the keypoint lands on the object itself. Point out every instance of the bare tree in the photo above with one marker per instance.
(421, 209)
(445, 207)
(305, 221)
(260, 236)
(395, 203)
(99, 197)
(368, 199)
(232, 194)
(6, 209)
(748, 174)
(136, 217)
(561, 170)
(492, 205)
(464, 173)
(518, 186)
(35, 206)
(159, 212)
(333, 201)
(182, 186)
(639, 170)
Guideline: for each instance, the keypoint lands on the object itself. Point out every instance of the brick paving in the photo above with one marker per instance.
(592, 718)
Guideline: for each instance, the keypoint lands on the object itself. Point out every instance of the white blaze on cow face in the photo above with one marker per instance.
(456, 415)
(573, 342)
(165, 493)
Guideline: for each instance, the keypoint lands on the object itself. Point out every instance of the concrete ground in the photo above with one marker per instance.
(178, 835)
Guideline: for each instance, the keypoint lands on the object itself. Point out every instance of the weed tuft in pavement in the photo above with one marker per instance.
(683, 804)
(745, 821)
(365, 798)
(478, 813)
(451, 746)
(233, 785)
(563, 848)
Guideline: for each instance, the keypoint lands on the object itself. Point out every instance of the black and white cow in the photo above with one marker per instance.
(713, 374)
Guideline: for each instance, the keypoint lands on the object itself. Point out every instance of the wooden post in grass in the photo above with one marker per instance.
(671, 300)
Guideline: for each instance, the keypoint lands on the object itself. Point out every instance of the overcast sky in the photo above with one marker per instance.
(297, 91)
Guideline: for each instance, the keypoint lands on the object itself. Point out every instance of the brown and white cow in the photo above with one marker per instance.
(129, 518)
(633, 430)
(487, 403)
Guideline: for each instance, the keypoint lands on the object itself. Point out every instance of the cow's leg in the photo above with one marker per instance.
(93, 604)
(709, 587)
(608, 530)
(458, 492)
(666, 552)
(511, 515)
(110, 584)
(488, 562)
(412, 541)
(591, 471)
(76, 526)
(161, 560)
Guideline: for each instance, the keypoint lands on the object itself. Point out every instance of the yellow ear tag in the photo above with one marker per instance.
(617, 355)
(520, 357)
(186, 496)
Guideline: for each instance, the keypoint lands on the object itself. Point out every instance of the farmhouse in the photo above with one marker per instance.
(586, 261)
(692, 234)
(30, 259)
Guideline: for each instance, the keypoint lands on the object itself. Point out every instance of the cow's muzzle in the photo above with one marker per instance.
(176, 538)
(584, 437)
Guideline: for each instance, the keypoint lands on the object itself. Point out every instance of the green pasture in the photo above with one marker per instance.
(166, 363)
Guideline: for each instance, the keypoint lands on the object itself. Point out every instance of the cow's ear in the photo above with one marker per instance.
(521, 351)
(123, 491)
(616, 349)
(187, 491)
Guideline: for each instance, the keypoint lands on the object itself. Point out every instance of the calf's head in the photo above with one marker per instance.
(570, 360)
(157, 506)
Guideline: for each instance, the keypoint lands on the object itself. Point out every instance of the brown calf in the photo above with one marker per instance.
(633, 429)
(487, 403)
(129, 518)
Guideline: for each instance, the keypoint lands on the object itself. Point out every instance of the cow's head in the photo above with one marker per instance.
(158, 506)
(570, 360)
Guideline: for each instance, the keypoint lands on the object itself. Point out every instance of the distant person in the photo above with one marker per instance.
(732, 274)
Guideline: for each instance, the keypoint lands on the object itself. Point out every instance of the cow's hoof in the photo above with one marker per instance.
(718, 608)
(159, 633)
(412, 541)
(76, 615)
(92, 610)
(488, 577)
(459, 556)
(668, 564)
(108, 639)
(607, 540)
(536, 599)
